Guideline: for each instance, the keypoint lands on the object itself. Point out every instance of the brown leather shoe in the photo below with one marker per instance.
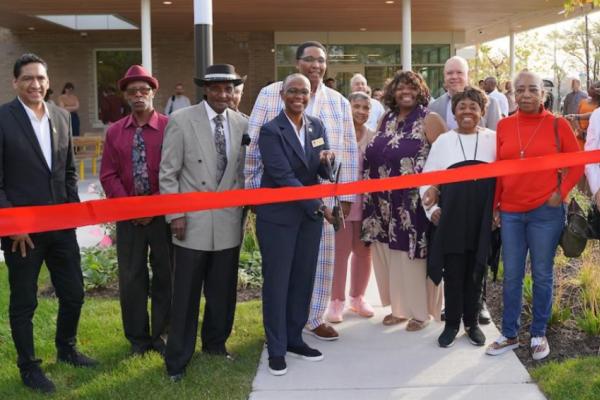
(324, 332)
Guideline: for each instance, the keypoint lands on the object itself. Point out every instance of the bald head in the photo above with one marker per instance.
(456, 75)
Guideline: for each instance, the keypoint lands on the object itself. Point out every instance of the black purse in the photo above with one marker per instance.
(579, 227)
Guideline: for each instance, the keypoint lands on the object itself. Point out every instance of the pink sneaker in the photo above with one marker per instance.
(361, 307)
(335, 311)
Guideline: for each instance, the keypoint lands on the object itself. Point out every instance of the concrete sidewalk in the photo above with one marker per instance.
(372, 361)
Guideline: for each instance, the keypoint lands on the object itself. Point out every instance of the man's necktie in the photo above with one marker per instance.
(220, 146)
(141, 182)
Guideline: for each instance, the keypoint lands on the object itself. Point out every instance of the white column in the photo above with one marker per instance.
(406, 36)
(513, 60)
(146, 36)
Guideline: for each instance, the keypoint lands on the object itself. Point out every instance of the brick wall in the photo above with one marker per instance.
(70, 58)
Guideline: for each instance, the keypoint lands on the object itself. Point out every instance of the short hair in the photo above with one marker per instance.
(68, 85)
(359, 96)
(356, 77)
(293, 77)
(27, 58)
(593, 93)
(538, 80)
(330, 79)
(470, 93)
(408, 78)
(460, 60)
(306, 45)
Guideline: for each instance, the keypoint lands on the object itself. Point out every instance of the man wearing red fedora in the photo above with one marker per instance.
(204, 151)
(130, 165)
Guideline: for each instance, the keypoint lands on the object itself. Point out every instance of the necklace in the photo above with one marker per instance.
(521, 148)
(476, 145)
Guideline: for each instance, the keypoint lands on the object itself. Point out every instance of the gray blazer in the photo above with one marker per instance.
(489, 120)
(188, 164)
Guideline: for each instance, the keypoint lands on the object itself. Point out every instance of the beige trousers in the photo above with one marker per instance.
(403, 284)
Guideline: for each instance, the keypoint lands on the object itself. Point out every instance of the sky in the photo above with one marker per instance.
(503, 43)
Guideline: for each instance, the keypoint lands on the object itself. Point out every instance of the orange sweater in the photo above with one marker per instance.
(521, 193)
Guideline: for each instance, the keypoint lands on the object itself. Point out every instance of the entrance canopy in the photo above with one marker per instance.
(479, 20)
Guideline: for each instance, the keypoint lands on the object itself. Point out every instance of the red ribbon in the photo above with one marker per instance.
(19, 220)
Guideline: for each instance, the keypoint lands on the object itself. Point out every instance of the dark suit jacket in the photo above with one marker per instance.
(287, 164)
(25, 179)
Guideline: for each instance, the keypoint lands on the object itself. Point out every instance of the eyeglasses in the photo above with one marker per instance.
(133, 91)
(311, 59)
(294, 92)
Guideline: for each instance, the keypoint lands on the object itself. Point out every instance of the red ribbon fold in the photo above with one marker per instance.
(18, 220)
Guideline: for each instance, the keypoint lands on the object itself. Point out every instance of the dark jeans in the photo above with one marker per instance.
(216, 272)
(60, 251)
(462, 289)
(133, 243)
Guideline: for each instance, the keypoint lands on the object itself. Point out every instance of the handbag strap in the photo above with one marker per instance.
(558, 149)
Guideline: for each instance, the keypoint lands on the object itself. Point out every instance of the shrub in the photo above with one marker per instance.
(99, 266)
(250, 273)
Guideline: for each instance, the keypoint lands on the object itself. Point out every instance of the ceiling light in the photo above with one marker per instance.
(363, 29)
(31, 28)
(389, 2)
(168, 3)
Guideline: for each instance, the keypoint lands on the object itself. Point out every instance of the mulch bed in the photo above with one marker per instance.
(566, 339)
(112, 292)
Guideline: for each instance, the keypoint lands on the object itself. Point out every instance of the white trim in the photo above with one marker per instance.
(203, 13)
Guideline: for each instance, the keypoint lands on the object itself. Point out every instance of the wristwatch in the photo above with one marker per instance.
(321, 210)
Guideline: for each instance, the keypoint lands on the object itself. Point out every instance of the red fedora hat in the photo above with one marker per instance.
(137, 73)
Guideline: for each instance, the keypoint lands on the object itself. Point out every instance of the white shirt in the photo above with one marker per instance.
(211, 116)
(502, 101)
(300, 134)
(180, 102)
(592, 142)
(41, 127)
(376, 112)
(447, 151)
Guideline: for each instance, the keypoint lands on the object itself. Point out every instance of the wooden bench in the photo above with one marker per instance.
(87, 148)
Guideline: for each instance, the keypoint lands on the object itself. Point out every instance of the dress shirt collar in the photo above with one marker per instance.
(31, 114)
(212, 113)
(152, 122)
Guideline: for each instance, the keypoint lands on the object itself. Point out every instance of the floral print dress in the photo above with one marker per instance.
(397, 217)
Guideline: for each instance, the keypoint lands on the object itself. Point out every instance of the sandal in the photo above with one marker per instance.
(390, 319)
(416, 325)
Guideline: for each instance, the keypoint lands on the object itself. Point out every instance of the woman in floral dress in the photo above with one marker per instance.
(394, 222)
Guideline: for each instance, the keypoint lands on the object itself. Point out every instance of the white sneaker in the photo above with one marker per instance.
(502, 345)
(539, 347)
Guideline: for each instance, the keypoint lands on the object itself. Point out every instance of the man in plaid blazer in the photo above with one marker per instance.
(335, 113)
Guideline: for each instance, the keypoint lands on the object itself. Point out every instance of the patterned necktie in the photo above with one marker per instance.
(220, 147)
(141, 182)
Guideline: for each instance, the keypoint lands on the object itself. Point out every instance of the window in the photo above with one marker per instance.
(111, 65)
(378, 61)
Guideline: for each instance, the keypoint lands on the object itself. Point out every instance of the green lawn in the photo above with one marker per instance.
(571, 379)
(123, 377)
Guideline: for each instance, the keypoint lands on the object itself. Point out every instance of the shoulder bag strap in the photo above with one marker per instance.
(558, 149)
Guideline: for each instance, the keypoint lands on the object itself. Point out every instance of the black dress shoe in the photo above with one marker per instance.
(140, 350)
(176, 377)
(484, 315)
(306, 353)
(36, 380)
(277, 366)
(76, 359)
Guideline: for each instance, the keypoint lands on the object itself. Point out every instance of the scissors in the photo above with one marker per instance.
(338, 214)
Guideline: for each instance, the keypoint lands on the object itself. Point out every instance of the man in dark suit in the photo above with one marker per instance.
(294, 152)
(37, 168)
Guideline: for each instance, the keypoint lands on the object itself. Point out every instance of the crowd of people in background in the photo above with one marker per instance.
(428, 247)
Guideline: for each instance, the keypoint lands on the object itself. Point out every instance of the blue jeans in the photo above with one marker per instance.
(537, 231)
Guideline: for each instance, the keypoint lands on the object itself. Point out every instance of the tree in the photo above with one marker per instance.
(570, 5)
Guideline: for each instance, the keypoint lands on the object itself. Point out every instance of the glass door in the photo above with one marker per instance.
(342, 74)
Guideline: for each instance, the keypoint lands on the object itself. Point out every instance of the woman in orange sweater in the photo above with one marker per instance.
(530, 211)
